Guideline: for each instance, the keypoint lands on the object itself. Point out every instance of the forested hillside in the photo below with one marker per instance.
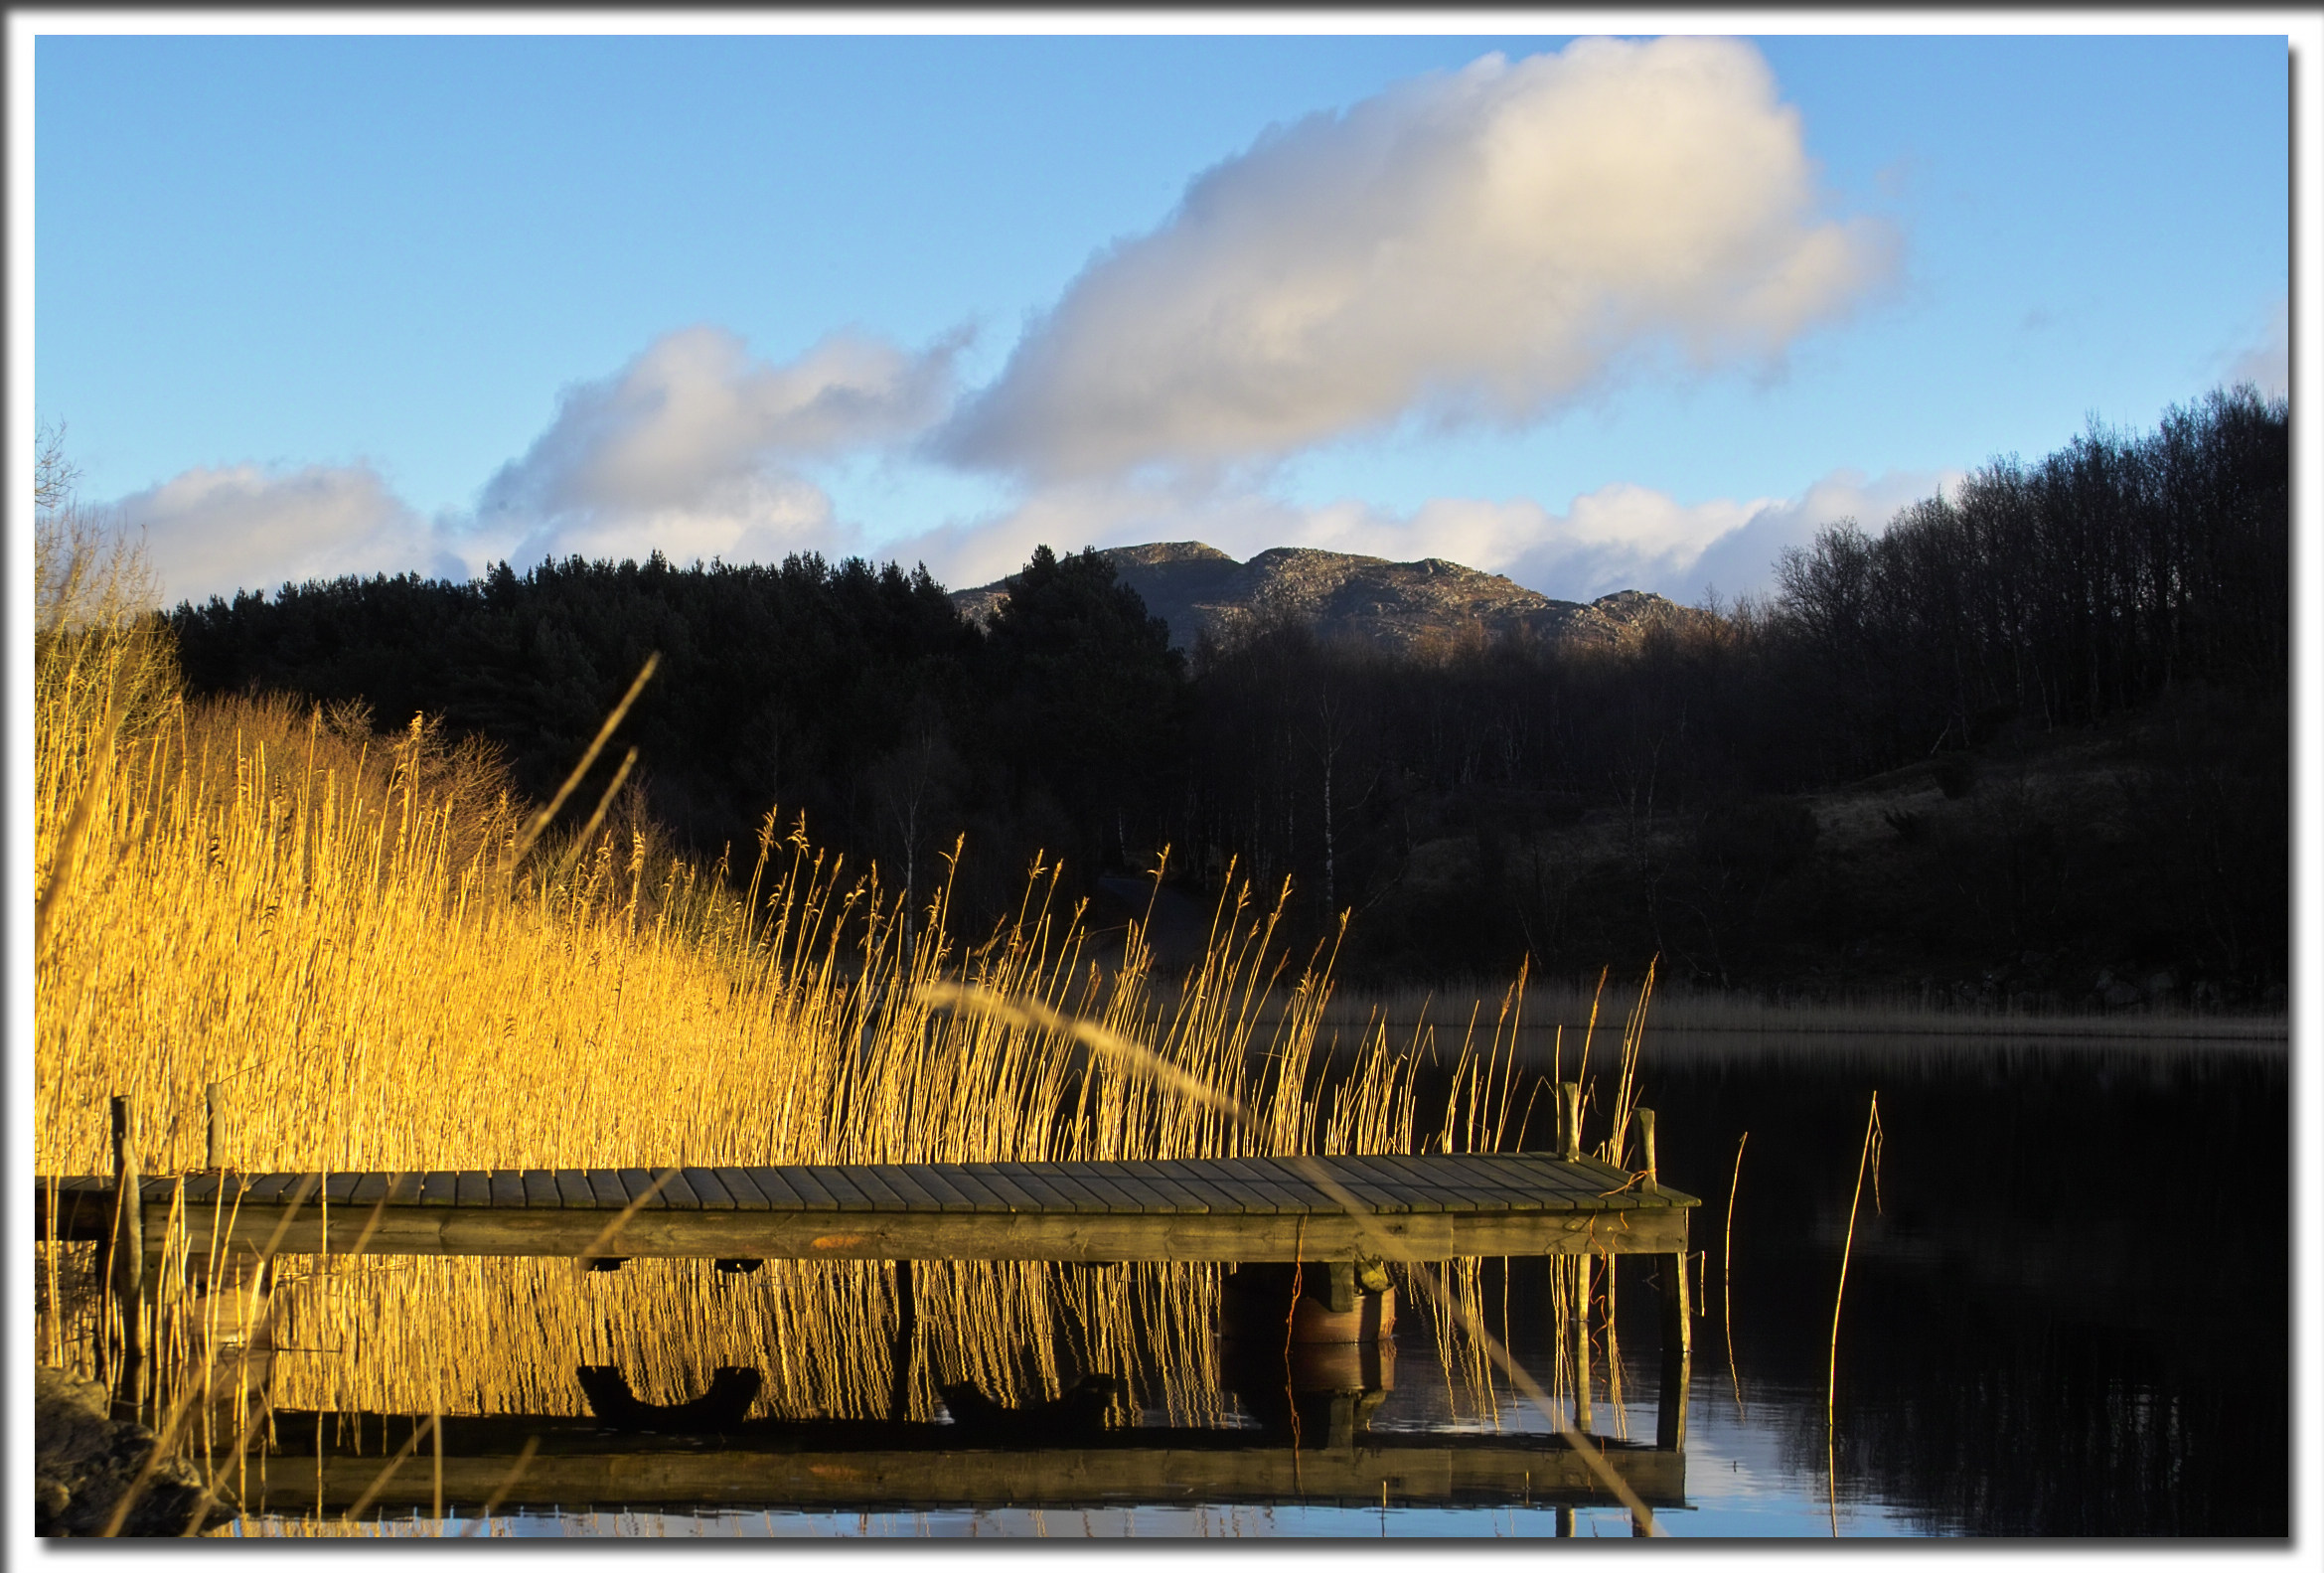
(2030, 740)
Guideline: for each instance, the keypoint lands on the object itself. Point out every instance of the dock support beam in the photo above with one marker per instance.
(1577, 1334)
(1677, 1322)
(1677, 1356)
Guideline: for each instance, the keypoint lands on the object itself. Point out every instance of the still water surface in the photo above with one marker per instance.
(2066, 1313)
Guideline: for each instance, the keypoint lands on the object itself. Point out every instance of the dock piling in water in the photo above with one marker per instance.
(1677, 1356)
(126, 1251)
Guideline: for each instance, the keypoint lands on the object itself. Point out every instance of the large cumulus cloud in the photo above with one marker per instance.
(1474, 247)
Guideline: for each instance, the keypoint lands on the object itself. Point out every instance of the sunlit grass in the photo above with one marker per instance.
(281, 902)
(339, 928)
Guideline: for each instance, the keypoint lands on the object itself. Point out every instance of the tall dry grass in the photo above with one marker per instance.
(327, 921)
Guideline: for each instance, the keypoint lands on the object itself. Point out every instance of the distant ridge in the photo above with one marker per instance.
(1395, 605)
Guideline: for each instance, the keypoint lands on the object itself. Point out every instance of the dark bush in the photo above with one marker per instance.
(1956, 772)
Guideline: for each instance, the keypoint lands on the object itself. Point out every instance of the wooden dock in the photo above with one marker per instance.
(1327, 1210)
(1235, 1209)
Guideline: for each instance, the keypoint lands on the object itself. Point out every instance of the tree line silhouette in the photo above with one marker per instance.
(2059, 691)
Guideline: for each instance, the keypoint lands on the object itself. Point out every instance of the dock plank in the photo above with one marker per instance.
(1215, 1197)
(965, 1180)
(779, 1188)
(1292, 1192)
(905, 1181)
(872, 1182)
(1431, 1175)
(996, 1179)
(1047, 1181)
(747, 1196)
(1117, 1190)
(265, 1190)
(439, 1188)
(1219, 1174)
(940, 1196)
(1361, 1188)
(636, 1182)
(1157, 1179)
(840, 1187)
(1375, 1168)
(1532, 1187)
(710, 1189)
(1287, 1195)
(1377, 1192)
(795, 1178)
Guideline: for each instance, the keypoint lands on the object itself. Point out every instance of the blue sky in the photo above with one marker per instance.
(1594, 314)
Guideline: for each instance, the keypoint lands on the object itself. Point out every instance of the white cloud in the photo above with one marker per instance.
(1620, 537)
(212, 532)
(1742, 561)
(690, 449)
(1474, 247)
(694, 447)
(2265, 363)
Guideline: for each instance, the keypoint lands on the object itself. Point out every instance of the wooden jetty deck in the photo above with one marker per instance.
(827, 1465)
(1238, 1210)
(1335, 1210)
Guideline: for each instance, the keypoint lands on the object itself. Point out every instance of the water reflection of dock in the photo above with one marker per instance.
(825, 1465)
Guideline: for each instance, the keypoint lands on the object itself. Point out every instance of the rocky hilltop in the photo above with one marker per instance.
(1395, 605)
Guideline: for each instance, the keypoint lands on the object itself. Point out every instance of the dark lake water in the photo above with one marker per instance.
(2069, 1314)
(2072, 1317)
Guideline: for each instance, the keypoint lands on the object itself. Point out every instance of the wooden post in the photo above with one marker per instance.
(1569, 1138)
(1578, 1328)
(1677, 1356)
(1647, 1135)
(1565, 1523)
(128, 1258)
(215, 1095)
(900, 1358)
